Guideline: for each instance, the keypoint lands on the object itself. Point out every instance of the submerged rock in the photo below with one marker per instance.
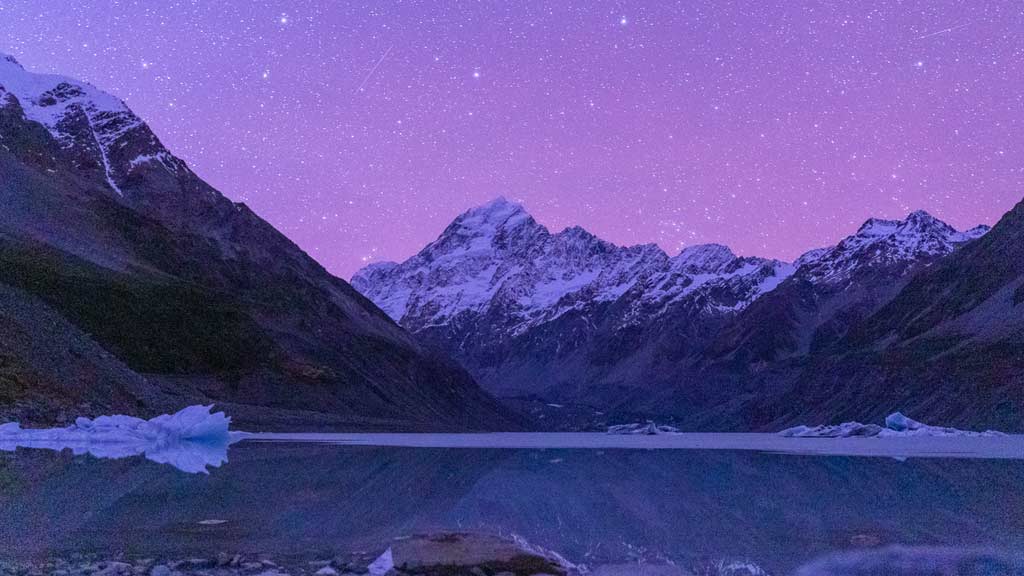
(452, 554)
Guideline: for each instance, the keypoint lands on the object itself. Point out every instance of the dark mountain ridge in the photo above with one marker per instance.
(169, 293)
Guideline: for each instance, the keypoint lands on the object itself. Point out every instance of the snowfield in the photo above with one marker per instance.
(190, 439)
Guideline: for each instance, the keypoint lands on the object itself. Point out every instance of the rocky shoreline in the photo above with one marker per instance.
(239, 565)
(448, 554)
(459, 554)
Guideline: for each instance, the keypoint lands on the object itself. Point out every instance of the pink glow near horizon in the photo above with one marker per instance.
(362, 130)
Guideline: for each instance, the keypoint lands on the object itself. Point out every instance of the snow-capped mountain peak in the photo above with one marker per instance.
(880, 243)
(975, 233)
(577, 234)
(45, 98)
(496, 226)
(703, 258)
(84, 118)
(487, 219)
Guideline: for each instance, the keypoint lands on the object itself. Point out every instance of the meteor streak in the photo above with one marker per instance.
(374, 69)
(950, 29)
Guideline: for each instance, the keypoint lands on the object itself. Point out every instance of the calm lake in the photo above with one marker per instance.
(596, 505)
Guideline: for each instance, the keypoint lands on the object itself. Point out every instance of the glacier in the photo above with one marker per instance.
(191, 439)
(896, 425)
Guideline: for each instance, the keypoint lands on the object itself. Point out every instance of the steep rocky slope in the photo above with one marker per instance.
(937, 332)
(950, 344)
(168, 293)
(835, 288)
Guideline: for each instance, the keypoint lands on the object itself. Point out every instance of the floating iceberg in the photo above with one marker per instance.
(649, 429)
(896, 425)
(189, 440)
(383, 564)
(844, 430)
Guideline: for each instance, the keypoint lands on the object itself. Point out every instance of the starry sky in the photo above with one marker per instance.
(361, 129)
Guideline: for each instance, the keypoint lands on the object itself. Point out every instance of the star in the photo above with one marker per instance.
(283, 19)
(476, 73)
(623, 21)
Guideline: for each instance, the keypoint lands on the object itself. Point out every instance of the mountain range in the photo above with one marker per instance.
(904, 314)
(127, 283)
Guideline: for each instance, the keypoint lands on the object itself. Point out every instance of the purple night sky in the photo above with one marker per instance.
(362, 130)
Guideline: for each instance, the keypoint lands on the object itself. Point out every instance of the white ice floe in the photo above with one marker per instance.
(648, 429)
(896, 425)
(191, 439)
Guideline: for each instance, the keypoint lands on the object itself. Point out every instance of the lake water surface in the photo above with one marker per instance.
(595, 505)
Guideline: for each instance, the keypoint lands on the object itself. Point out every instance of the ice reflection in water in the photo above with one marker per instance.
(191, 440)
(194, 457)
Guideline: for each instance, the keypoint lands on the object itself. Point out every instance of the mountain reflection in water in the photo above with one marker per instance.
(593, 506)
